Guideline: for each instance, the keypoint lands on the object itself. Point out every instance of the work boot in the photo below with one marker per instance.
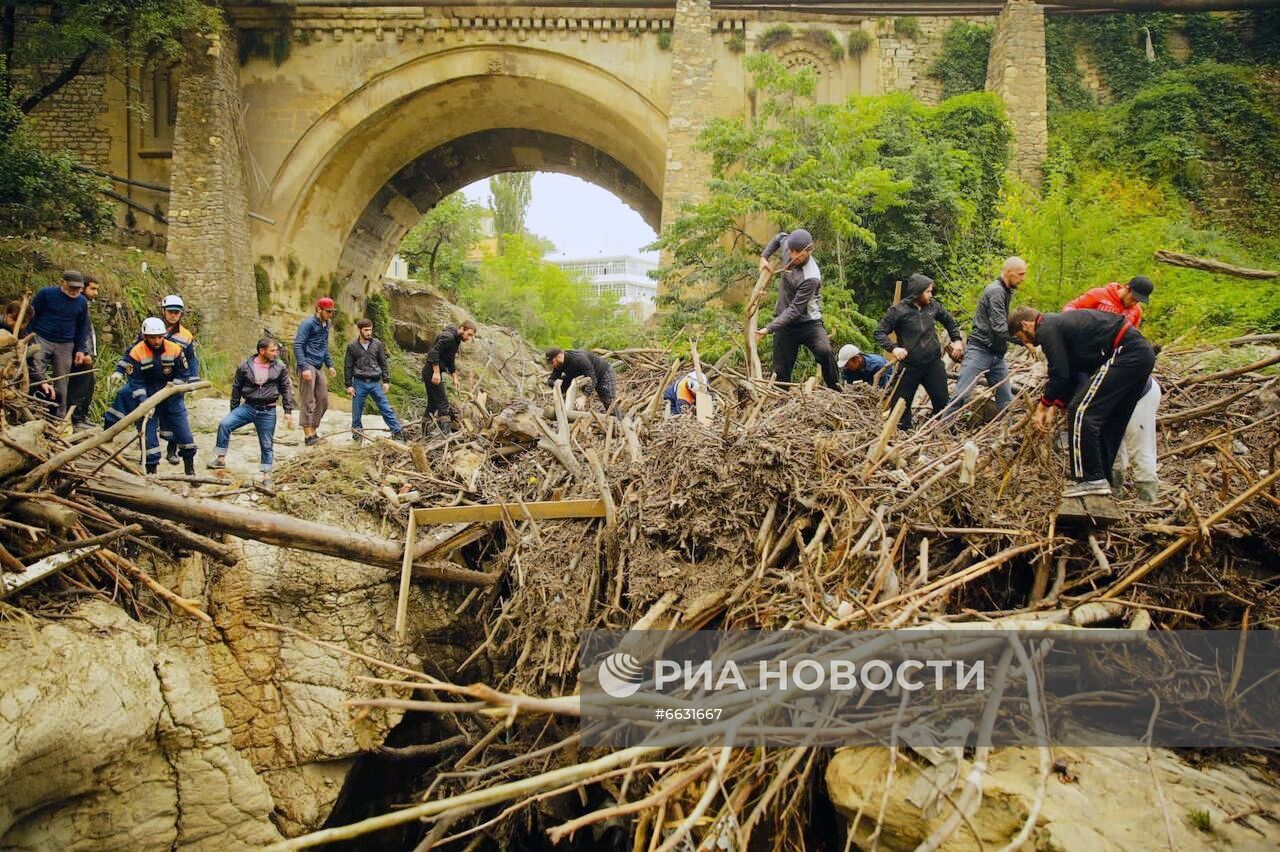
(189, 466)
(218, 463)
(1148, 492)
(171, 455)
(311, 440)
(397, 436)
(152, 468)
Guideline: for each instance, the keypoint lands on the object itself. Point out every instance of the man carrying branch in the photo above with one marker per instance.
(797, 317)
(912, 320)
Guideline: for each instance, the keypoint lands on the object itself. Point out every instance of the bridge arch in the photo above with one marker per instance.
(366, 170)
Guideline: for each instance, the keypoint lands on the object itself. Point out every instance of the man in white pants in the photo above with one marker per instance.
(1139, 446)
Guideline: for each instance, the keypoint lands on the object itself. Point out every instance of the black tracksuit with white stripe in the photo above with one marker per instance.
(1118, 360)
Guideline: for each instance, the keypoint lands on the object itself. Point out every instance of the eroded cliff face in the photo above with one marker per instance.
(119, 734)
(113, 741)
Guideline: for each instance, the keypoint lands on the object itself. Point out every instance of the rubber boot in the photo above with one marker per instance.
(189, 466)
(171, 454)
(152, 469)
(1148, 492)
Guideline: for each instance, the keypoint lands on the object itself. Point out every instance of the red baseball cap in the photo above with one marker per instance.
(324, 303)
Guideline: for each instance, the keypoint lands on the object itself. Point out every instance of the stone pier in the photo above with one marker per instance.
(208, 244)
(692, 91)
(1016, 71)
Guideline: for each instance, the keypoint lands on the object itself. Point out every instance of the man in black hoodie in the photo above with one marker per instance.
(1117, 359)
(917, 350)
(442, 358)
(797, 317)
(567, 366)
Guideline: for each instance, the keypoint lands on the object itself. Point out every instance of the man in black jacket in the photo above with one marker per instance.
(989, 340)
(797, 317)
(442, 358)
(916, 349)
(260, 382)
(368, 374)
(1118, 360)
(567, 366)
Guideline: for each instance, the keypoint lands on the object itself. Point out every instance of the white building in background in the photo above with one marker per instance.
(626, 276)
(398, 268)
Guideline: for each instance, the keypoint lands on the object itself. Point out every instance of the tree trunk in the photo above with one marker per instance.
(281, 530)
(1190, 261)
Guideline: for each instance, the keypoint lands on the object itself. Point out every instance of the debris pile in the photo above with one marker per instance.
(793, 506)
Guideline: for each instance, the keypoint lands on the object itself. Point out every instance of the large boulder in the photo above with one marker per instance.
(111, 741)
(1101, 799)
(419, 312)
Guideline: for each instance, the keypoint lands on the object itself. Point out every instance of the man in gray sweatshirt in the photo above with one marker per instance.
(798, 314)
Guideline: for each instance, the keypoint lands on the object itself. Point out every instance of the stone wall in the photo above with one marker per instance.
(71, 118)
(692, 79)
(905, 60)
(1017, 72)
(208, 239)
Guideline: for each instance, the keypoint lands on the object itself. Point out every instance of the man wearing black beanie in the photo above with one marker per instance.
(798, 314)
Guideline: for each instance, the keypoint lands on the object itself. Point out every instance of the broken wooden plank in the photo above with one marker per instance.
(1094, 510)
(702, 404)
(542, 510)
(406, 573)
(37, 571)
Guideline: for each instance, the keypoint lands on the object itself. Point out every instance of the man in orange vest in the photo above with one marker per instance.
(682, 394)
(149, 365)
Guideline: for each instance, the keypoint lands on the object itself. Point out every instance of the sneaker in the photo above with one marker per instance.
(218, 463)
(266, 480)
(1090, 488)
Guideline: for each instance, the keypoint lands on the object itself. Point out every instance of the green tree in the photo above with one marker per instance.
(439, 243)
(59, 40)
(886, 185)
(519, 289)
(509, 199)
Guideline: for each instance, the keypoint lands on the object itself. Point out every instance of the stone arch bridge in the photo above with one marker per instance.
(308, 137)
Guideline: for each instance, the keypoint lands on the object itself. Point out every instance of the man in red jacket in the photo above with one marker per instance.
(1115, 298)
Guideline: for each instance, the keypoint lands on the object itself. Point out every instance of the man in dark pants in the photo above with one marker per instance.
(797, 317)
(1118, 360)
(442, 358)
(989, 339)
(917, 350)
(81, 383)
(567, 366)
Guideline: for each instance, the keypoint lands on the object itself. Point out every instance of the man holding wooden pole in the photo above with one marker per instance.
(797, 317)
(912, 321)
(1118, 360)
(150, 365)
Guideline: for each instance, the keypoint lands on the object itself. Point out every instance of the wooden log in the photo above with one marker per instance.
(750, 325)
(702, 405)
(133, 492)
(50, 514)
(539, 510)
(179, 535)
(1190, 261)
(1199, 410)
(30, 436)
(1231, 374)
(77, 450)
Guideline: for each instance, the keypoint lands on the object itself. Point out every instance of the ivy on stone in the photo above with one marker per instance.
(962, 64)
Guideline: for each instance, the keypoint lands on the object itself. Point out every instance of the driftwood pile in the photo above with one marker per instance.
(795, 506)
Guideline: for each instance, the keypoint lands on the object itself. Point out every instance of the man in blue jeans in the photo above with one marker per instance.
(989, 339)
(368, 375)
(259, 383)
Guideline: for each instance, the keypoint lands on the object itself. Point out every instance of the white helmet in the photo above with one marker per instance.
(847, 352)
(695, 381)
(173, 302)
(154, 325)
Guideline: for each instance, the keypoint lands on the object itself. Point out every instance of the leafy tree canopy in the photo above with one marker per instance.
(438, 245)
(509, 199)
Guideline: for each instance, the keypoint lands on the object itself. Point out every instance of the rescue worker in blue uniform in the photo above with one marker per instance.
(682, 394)
(149, 365)
(173, 308)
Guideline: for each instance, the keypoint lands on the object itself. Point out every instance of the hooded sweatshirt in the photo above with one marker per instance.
(914, 325)
(799, 290)
(1105, 299)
